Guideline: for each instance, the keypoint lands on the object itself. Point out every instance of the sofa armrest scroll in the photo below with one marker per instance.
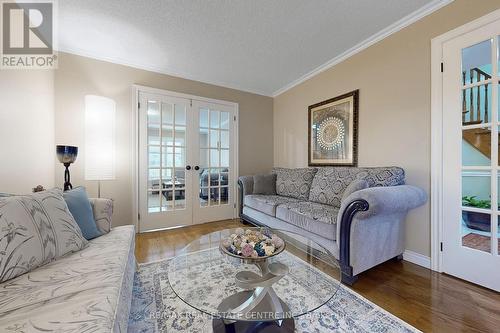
(103, 213)
(245, 185)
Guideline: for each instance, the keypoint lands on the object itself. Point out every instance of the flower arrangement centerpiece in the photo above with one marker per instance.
(252, 244)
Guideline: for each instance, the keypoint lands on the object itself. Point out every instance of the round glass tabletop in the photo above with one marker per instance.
(298, 280)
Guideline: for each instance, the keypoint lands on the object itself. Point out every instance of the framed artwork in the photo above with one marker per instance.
(333, 131)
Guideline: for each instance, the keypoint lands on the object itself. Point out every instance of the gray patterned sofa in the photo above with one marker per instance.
(86, 291)
(355, 213)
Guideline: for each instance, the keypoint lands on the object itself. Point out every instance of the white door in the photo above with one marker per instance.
(470, 155)
(186, 161)
(215, 162)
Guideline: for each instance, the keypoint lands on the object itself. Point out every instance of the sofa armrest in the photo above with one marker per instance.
(370, 229)
(246, 184)
(103, 213)
(387, 200)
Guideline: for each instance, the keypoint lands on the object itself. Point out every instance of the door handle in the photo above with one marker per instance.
(197, 168)
(188, 167)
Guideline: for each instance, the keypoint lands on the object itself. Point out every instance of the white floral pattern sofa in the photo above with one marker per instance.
(86, 291)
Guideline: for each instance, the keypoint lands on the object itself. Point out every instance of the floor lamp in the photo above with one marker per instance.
(99, 139)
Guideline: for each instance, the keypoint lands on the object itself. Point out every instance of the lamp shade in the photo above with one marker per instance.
(99, 138)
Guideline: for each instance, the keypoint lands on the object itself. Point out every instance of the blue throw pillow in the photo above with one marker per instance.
(79, 206)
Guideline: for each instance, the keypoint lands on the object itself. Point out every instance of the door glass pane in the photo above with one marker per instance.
(214, 177)
(476, 147)
(214, 119)
(153, 113)
(180, 157)
(167, 114)
(154, 156)
(180, 177)
(167, 135)
(224, 139)
(476, 62)
(204, 196)
(224, 120)
(153, 179)
(180, 136)
(204, 178)
(180, 196)
(214, 138)
(153, 201)
(167, 157)
(204, 118)
(203, 158)
(214, 196)
(475, 231)
(167, 175)
(224, 178)
(476, 105)
(180, 114)
(214, 157)
(224, 195)
(203, 138)
(167, 202)
(224, 158)
(476, 224)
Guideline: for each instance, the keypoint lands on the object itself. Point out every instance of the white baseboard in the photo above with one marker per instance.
(417, 259)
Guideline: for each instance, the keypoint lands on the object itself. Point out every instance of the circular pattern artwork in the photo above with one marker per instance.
(330, 133)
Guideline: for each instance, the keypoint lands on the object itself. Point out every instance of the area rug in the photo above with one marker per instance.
(156, 308)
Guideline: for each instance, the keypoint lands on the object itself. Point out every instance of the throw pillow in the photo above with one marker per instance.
(295, 183)
(34, 230)
(103, 213)
(264, 184)
(79, 206)
(355, 185)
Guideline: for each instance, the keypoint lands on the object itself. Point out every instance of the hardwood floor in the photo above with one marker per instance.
(430, 301)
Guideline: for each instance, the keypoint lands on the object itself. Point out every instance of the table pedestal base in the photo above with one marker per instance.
(262, 315)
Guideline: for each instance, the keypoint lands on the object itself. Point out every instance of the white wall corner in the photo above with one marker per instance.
(417, 259)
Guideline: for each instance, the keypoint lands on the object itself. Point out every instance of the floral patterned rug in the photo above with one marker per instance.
(156, 308)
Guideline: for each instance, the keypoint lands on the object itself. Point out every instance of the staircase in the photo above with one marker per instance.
(475, 111)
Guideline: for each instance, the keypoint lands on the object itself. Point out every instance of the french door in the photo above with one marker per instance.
(470, 157)
(187, 155)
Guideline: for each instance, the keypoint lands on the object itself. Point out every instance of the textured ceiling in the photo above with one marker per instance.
(253, 45)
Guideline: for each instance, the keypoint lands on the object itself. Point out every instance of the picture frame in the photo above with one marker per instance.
(333, 131)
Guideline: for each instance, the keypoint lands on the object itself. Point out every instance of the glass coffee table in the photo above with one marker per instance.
(252, 295)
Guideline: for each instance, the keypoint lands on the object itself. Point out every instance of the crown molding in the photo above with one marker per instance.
(154, 69)
(382, 34)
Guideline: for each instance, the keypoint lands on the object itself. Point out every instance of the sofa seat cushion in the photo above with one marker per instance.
(266, 203)
(316, 218)
(87, 291)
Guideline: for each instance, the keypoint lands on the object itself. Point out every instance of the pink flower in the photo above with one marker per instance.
(247, 250)
(276, 241)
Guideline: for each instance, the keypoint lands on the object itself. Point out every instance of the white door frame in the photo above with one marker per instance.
(437, 131)
(136, 89)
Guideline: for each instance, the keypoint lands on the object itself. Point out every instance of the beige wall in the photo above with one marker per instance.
(78, 76)
(393, 77)
(27, 152)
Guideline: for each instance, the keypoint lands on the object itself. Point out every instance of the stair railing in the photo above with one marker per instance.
(474, 111)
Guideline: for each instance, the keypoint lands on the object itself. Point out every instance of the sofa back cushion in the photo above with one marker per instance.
(294, 183)
(330, 183)
(34, 230)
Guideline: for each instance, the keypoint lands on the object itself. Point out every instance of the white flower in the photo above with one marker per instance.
(269, 250)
